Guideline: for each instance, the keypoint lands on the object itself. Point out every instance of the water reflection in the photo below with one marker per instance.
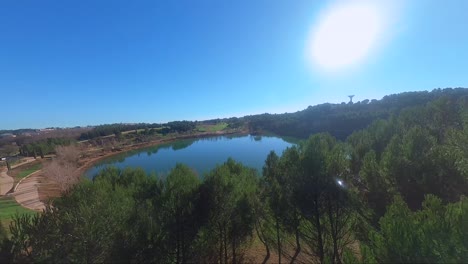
(201, 154)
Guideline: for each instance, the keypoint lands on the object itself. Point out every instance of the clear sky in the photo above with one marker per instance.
(76, 62)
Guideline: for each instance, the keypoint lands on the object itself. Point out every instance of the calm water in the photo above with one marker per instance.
(201, 155)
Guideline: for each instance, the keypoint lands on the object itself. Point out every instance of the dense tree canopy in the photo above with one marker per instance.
(341, 120)
(44, 147)
(115, 129)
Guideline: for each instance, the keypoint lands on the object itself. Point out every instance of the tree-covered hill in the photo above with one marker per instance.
(341, 120)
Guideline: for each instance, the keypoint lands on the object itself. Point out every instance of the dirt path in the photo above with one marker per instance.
(32, 190)
(26, 192)
(6, 182)
(26, 160)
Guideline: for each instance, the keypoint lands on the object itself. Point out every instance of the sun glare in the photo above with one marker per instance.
(344, 35)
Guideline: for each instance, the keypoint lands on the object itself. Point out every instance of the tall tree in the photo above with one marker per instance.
(228, 191)
(290, 171)
(376, 192)
(273, 184)
(180, 196)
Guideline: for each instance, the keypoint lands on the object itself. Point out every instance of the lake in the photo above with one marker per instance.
(201, 154)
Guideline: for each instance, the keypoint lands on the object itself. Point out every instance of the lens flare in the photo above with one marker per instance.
(340, 183)
(345, 35)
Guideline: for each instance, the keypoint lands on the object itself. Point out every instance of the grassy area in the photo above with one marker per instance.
(29, 170)
(212, 128)
(8, 208)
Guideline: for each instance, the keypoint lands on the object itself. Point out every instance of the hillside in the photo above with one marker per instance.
(341, 120)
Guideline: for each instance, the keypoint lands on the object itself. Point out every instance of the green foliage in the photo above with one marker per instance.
(422, 150)
(324, 197)
(44, 147)
(341, 120)
(126, 216)
(435, 234)
(181, 126)
(83, 226)
(229, 193)
(88, 224)
(115, 129)
(179, 200)
(377, 191)
(6, 255)
(277, 197)
(3, 233)
(141, 128)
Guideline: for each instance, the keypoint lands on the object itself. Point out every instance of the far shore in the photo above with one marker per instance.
(90, 162)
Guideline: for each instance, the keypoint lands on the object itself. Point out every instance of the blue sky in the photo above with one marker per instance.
(69, 63)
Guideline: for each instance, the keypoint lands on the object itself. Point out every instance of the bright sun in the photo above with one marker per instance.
(345, 35)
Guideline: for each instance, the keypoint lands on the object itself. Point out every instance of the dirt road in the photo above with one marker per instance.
(24, 161)
(6, 182)
(27, 194)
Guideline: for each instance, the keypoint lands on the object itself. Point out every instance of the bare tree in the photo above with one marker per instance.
(69, 154)
(62, 169)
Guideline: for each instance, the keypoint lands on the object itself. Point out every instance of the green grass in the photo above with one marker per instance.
(28, 171)
(212, 128)
(8, 208)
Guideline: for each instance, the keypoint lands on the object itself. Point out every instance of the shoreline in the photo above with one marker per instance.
(92, 162)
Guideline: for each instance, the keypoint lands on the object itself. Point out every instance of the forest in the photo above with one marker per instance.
(394, 190)
(43, 147)
(117, 129)
(341, 120)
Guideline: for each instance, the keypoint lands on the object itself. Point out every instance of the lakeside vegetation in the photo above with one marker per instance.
(392, 191)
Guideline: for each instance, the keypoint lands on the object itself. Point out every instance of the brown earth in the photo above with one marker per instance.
(6, 181)
(33, 192)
